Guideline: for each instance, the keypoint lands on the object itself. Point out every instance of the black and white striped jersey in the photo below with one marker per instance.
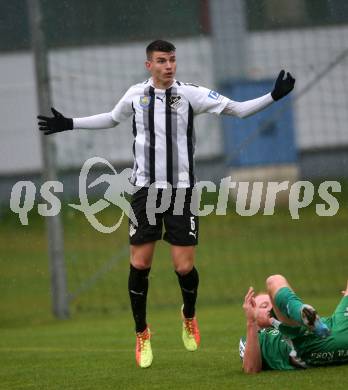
(163, 129)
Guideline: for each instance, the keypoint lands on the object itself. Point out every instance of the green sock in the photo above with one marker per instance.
(289, 304)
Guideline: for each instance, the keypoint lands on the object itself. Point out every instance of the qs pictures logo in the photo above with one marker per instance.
(118, 186)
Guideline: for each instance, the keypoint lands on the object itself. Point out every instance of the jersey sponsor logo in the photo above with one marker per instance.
(323, 356)
(175, 101)
(271, 331)
(343, 353)
(213, 95)
(144, 101)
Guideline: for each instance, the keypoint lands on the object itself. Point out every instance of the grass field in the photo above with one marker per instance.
(97, 353)
(95, 349)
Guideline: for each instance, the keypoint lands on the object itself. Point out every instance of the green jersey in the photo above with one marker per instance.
(275, 350)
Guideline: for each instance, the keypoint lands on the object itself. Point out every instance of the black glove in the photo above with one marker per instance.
(56, 124)
(282, 86)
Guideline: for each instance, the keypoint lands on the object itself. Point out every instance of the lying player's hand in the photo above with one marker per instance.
(282, 86)
(249, 305)
(55, 124)
(345, 292)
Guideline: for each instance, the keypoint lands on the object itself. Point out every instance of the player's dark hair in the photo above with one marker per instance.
(159, 45)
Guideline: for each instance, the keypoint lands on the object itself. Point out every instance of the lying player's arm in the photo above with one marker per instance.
(244, 109)
(59, 123)
(252, 360)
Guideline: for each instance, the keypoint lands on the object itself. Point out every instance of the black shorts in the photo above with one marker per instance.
(181, 225)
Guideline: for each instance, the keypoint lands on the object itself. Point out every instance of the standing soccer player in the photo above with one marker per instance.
(163, 111)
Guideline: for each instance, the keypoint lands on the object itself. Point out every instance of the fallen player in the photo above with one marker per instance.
(283, 333)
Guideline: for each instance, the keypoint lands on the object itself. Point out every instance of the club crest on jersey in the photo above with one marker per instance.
(214, 95)
(174, 101)
(144, 101)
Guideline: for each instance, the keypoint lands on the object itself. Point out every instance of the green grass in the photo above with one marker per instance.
(98, 353)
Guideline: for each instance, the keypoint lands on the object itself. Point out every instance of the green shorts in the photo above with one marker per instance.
(338, 322)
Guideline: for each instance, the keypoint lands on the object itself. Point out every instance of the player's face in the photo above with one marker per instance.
(162, 67)
(262, 311)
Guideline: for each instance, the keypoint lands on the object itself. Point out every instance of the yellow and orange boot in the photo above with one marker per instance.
(190, 333)
(143, 351)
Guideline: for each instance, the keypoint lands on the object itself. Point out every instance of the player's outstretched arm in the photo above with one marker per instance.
(59, 123)
(345, 292)
(55, 124)
(252, 360)
(249, 107)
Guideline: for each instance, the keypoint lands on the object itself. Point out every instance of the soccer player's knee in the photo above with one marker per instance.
(141, 263)
(183, 269)
(274, 282)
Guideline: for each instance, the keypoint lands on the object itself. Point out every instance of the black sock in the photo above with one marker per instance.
(137, 287)
(189, 286)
